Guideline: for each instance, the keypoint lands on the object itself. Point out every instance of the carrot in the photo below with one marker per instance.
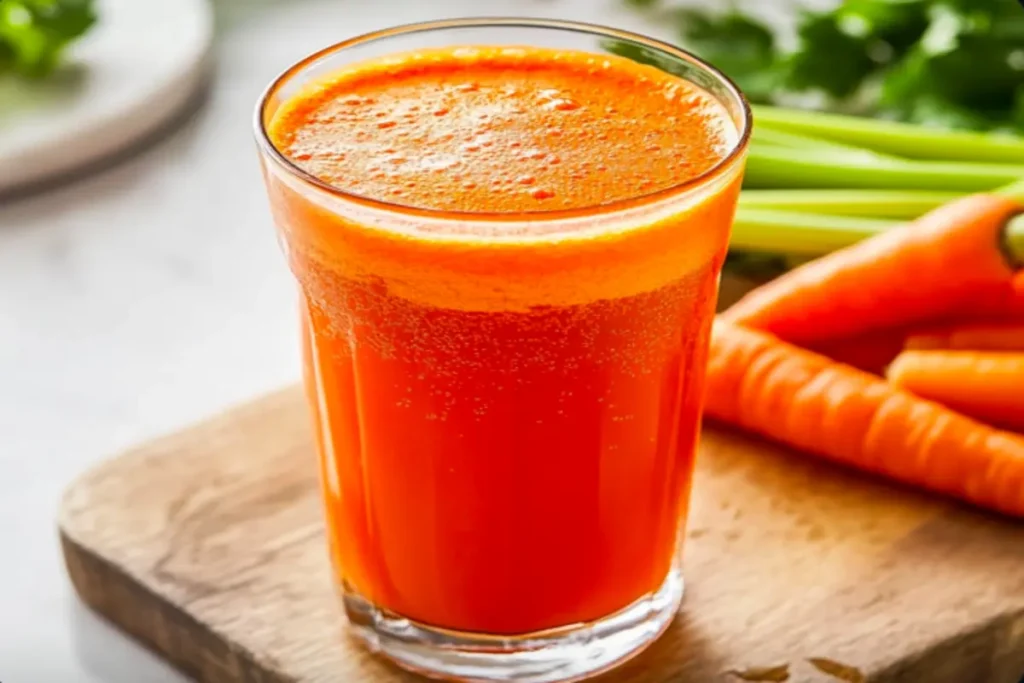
(871, 351)
(1001, 336)
(987, 385)
(803, 399)
(945, 264)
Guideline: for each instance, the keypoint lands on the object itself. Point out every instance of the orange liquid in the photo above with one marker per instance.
(506, 413)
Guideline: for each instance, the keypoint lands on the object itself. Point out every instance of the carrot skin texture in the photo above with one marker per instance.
(997, 336)
(986, 385)
(871, 351)
(946, 264)
(803, 399)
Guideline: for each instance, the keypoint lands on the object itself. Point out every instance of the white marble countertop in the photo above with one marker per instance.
(147, 295)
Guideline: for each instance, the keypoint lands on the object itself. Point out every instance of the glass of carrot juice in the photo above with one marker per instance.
(507, 235)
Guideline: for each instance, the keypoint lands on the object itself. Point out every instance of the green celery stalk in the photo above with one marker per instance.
(769, 136)
(777, 167)
(891, 137)
(895, 204)
(783, 222)
(801, 234)
(794, 232)
(1015, 190)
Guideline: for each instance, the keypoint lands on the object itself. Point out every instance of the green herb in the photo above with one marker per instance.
(818, 181)
(34, 33)
(741, 47)
(952, 63)
(838, 50)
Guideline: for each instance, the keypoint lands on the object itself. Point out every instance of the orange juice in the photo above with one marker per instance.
(507, 290)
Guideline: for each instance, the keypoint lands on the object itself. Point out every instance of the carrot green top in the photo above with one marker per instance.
(473, 131)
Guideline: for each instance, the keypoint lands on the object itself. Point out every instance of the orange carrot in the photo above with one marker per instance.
(947, 263)
(987, 385)
(1005, 336)
(871, 351)
(801, 398)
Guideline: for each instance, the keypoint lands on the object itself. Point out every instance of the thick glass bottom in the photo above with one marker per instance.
(566, 654)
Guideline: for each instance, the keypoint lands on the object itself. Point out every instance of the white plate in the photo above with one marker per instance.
(132, 73)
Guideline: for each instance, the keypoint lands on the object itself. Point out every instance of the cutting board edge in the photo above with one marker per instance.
(156, 623)
(187, 643)
(127, 600)
(95, 577)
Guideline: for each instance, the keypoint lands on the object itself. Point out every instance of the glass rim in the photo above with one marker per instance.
(602, 208)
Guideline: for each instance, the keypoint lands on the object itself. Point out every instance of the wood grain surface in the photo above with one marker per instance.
(207, 546)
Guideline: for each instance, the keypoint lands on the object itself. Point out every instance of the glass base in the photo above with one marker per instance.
(566, 654)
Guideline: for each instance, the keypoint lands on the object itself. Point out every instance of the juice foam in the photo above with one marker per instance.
(503, 130)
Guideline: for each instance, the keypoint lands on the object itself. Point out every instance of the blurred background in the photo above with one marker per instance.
(141, 286)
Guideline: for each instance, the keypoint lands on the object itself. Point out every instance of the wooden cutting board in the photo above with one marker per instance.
(207, 546)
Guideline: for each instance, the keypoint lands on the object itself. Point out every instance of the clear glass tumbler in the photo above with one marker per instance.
(506, 406)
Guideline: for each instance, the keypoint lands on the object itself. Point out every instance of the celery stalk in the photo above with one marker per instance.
(1015, 190)
(769, 136)
(792, 232)
(798, 234)
(890, 137)
(895, 204)
(778, 167)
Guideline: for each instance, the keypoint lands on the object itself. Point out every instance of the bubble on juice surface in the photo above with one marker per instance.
(541, 121)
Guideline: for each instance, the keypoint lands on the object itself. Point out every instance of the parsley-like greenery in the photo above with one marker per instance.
(34, 33)
(951, 63)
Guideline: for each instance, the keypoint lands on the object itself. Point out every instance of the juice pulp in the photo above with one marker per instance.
(506, 406)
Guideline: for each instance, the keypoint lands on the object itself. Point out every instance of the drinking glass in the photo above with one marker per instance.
(506, 407)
